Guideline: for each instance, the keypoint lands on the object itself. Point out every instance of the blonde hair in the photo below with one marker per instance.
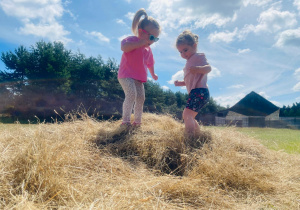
(137, 24)
(188, 38)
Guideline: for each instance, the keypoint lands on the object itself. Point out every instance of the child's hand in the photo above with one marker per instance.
(177, 83)
(155, 77)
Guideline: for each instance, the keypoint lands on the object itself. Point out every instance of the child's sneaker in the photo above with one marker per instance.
(136, 125)
(126, 125)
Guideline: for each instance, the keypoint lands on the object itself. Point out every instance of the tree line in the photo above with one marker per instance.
(290, 111)
(48, 77)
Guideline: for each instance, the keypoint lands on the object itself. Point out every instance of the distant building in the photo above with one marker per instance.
(251, 111)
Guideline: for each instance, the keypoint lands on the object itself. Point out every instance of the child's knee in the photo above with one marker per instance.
(187, 114)
(140, 99)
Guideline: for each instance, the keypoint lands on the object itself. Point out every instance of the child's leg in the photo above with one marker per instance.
(128, 86)
(191, 125)
(139, 101)
(197, 127)
(197, 99)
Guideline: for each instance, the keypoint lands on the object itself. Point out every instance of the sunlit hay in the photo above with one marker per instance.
(196, 193)
(83, 163)
(39, 167)
(235, 163)
(53, 164)
(215, 172)
(159, 143)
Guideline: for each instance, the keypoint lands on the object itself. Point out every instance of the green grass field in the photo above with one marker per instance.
(287, 140)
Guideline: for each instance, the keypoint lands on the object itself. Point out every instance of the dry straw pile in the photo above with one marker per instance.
(87, 164)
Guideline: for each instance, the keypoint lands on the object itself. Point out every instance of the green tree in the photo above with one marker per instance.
(290, 111)
(16, 64)
(47, 68)
(48, 76)
(170, 98)
(154, 101)
(85, 76)
(109, 81)
(181, 99)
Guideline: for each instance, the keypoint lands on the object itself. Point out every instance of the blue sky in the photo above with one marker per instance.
(252, 45)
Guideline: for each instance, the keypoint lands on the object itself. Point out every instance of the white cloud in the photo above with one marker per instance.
(296, 88)
(46, 10)
(256, 2)
(270, 21)
(276, 103)
(229, 100)
(242, 34)
(55, 31)
(37, 15)
(99, 36)
(243, 51)
(264, 94)
(274, 20)
(121, 22)
(214, 73)
(214, 19)
(199, 13)
(165, 87)
(289, 38)
(130, 15)
(223, 36)
(297, 73)
(236, 86)
(177, 76)
(297, 4)
(150, 79)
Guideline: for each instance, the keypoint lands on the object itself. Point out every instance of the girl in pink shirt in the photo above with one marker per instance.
(136, 59)
(195, 79)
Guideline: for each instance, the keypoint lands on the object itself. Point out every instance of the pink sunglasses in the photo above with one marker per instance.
(151, 37)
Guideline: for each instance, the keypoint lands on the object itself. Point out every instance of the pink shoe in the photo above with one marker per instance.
(126, 125)
(136, 125)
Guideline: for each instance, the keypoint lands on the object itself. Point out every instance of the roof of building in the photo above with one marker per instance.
(254, 104)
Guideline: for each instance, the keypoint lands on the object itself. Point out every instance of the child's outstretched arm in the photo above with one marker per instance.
(154, 76)
(179, 83)
(129, 46)
(200, 69)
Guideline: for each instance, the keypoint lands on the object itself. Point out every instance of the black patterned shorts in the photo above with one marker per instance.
(197, 99)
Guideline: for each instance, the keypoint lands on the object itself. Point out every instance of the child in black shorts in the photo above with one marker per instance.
(195, 79)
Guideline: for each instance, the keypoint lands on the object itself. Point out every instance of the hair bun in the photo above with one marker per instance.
(187, 37)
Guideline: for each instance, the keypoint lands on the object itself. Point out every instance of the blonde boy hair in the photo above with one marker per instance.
(137, 24)
(188, 38)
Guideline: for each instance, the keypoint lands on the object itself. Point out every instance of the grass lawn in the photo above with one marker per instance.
(287, 140)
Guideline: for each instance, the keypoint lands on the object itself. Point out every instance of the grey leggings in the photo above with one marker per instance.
(134, 95)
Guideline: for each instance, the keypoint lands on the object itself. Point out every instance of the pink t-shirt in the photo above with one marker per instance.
(134, 64)
(193, 81)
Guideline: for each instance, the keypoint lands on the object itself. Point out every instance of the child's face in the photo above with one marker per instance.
(186, 51)
(147, 32)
